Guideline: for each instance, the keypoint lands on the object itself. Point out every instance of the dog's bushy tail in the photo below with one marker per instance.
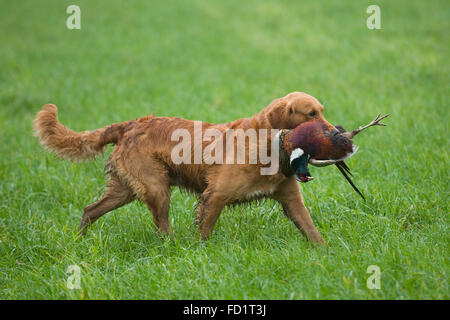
(68, 144)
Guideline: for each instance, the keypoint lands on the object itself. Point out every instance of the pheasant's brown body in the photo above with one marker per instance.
(320, 140)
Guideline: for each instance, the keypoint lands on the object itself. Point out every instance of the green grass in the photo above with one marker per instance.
(218, 61)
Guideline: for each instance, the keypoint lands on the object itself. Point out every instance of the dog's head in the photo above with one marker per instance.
(290, 111)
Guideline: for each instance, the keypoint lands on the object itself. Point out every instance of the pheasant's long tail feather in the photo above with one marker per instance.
(343, 168)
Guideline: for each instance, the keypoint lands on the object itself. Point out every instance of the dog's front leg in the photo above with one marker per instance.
(288, 194)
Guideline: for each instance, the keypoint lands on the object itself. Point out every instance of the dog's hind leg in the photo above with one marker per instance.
(202, 208)
(157, 200)
(116, 195)
(154, 191)
(209, 212)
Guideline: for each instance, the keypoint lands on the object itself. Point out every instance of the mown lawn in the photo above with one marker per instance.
(217, 61)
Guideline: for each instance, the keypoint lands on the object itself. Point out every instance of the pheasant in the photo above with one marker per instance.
(321, 144)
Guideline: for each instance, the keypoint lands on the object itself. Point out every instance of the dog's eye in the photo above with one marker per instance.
(312, 114)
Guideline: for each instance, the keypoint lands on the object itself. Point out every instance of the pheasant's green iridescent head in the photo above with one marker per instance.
(299, 164)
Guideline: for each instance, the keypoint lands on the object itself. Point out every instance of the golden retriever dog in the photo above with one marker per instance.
(141, 166)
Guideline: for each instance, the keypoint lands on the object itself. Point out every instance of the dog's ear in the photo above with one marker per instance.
(277, 114)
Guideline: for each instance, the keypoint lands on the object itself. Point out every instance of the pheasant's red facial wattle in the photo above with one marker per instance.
(305, 178)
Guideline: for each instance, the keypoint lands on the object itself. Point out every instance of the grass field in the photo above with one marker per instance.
(217, 61)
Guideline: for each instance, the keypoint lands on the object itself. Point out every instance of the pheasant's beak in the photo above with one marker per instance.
(304, 178)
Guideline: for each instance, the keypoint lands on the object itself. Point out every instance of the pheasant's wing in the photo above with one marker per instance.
(343, 168)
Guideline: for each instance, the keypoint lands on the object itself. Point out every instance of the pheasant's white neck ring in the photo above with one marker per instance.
(295, 154)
